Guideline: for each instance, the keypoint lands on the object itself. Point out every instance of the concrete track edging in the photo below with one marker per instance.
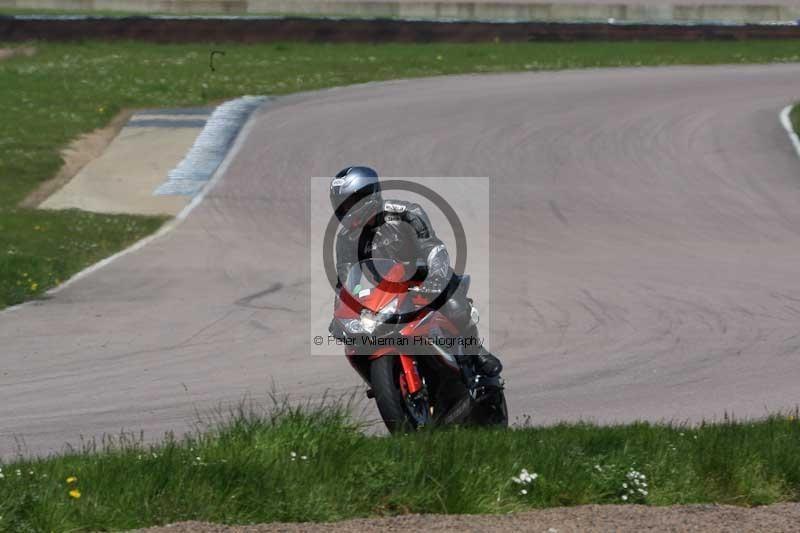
(166, 228)
(787, 125)
(209, 148)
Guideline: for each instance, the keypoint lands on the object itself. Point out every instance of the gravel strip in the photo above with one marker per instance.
(707, 518)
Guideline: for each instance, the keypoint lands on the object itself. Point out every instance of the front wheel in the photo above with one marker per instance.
(400, 412)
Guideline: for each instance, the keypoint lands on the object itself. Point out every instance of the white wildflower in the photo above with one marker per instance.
(524, 477)
(634, 486)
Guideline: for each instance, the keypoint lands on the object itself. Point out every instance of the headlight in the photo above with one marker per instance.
(353, 326)
(369, 320)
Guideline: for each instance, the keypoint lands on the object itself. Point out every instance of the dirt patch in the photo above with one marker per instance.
(25, 51)
(79, 152)
(716, 518)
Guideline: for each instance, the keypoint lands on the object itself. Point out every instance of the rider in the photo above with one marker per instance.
(398, 230)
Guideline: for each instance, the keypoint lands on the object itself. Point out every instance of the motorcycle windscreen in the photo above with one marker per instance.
(376, 282)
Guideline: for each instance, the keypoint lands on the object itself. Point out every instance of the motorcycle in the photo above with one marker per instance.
(411, 356)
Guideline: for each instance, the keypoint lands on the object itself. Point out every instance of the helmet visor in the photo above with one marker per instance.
(359, 207)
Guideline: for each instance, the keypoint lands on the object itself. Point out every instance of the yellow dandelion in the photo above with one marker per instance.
(75, 493)
(34, 286)
(71, 479)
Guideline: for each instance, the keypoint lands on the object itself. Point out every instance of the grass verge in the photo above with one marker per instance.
(64, 90)
(794, 117)
(313, 464)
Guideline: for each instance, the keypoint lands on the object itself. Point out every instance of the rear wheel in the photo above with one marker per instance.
(399, 411)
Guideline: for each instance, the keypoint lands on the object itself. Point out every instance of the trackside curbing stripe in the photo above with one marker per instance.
(210, 148)
(787, 125)
(234, 148)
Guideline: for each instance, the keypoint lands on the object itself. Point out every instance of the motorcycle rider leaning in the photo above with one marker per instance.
(394, 229)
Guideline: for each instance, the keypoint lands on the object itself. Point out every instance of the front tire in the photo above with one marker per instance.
(385, 379)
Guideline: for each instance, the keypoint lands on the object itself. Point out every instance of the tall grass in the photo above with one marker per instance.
(289, 463)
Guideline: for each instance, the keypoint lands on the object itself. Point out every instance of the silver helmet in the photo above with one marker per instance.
(355, 195)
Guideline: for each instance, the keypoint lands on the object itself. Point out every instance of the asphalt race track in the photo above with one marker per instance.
(647, 239)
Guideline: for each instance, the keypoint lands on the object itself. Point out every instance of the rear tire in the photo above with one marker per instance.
(384, 376)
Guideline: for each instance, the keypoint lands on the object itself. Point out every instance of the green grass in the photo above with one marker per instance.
(40, 250)
(314, 464)
(65, 90)
(794, 116)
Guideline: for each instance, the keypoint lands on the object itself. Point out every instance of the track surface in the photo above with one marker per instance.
(647, 237)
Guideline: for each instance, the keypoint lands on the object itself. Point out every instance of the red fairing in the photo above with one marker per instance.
(393, 285)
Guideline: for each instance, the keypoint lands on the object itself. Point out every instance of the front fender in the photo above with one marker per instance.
(413, 381)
